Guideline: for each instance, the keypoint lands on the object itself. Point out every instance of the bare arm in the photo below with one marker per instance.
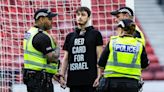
(99, 50)
(64, 63)
(100, 70)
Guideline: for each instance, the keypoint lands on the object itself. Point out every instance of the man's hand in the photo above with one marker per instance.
(96, 82)
(56, 77)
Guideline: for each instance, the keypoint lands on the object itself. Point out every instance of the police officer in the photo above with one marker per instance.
(40, 54)
(123, 59)
(127, 13)
(82, 49)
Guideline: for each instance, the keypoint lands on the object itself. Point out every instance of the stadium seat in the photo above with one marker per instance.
(102, 8)
(102, 27)
(149, 50)
(101, 16)
(102, 2)
(94, 9)
(153, 58)
(18, 36)
(21, 17)
(95, 22)
(108, 8)
(159, 75)
(153, 67)
(60, 10)
(19, 2)
(4, 2)
(94, 16)
(53, 2)
(6, 9)
(147, 75)
(95, 2)
(13, 9)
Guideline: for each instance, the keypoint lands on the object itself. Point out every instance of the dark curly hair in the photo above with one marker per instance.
(86, 9)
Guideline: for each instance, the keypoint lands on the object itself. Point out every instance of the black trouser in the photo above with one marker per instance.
(38, 81)
(123, 85)
(82, 89)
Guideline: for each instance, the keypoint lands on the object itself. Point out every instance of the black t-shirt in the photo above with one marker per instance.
(42, 43)
(82, 57)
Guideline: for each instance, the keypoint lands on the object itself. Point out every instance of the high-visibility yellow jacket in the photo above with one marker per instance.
(124, 58)
(34, 59)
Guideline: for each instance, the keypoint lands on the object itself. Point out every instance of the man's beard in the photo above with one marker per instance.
(46, 27)
(81, 24)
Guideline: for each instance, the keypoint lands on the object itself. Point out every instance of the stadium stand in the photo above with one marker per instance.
(154, 71)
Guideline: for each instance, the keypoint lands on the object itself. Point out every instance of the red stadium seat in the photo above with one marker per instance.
(108, 9)
(101, 2)
(147, 75)
(115, 7)
(102, 16)
(159, 75)
(102, 27)
(149, 50)
(152, 58)
(94, 9)
(95, 2)
(53, 2)
(13, 9)
(6, 9)
(19, 2)
(102, 8)
(95, 22)
(154, 67)
(60, 10)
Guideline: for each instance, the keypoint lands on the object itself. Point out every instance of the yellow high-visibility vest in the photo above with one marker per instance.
(124, 58)
(34, 59)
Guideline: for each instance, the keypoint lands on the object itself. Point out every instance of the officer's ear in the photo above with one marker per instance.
(39, 21)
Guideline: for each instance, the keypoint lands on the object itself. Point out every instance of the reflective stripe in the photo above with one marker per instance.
(116, 63)
(136, 55)
(51, 66)
(40, 65)
(34, 54)
(33, 63)
(113, 72)
(123, 65)
(114, 52)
